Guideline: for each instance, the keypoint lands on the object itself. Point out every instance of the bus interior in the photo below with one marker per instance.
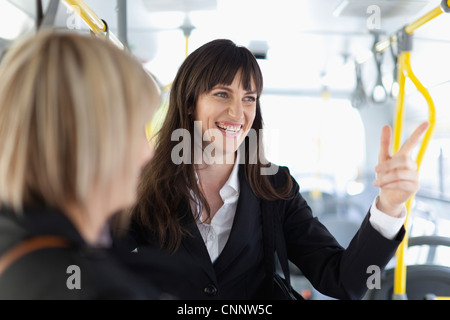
(335, 73)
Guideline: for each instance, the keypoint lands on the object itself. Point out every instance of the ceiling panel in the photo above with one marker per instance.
(306, 39)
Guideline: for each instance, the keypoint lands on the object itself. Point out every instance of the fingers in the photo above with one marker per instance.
(402, 159)
(398, 162)
(405, 186)
(414, 139)
(406, 180)
(385, 144)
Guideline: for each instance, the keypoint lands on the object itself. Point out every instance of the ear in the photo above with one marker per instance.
(190, 111)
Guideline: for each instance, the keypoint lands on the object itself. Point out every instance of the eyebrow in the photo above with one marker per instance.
(229, 90)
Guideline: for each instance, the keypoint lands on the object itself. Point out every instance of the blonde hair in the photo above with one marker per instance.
(71, 109)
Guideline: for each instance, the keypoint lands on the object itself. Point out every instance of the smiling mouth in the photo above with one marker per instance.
(229, 128)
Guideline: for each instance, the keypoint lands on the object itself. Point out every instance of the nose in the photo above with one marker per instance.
(236, 110)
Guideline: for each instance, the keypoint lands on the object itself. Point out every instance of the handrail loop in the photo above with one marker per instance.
(405, 45)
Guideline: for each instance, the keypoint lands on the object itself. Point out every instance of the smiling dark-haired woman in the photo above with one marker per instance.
(208, 209)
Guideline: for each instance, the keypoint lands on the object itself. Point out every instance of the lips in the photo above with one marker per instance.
(229, 128)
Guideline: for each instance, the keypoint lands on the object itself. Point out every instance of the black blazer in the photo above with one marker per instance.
(239, 272)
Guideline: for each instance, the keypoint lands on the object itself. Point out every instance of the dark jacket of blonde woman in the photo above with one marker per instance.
(79, 271)
(73, 112)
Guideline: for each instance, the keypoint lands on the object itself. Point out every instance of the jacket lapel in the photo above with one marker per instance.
(194, 245)
(247, 218)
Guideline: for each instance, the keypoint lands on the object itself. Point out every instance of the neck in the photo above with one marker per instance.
(89, 222)
(216, 174)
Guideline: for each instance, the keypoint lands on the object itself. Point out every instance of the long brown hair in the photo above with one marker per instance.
(165, 186)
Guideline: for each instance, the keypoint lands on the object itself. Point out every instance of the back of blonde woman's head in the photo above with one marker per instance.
(71, 108)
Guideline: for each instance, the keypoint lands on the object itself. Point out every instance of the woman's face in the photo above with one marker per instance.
(226, 114)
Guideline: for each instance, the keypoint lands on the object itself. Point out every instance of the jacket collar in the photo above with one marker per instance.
(42, 221)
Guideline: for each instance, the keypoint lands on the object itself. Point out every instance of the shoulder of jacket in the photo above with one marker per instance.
(280, 177)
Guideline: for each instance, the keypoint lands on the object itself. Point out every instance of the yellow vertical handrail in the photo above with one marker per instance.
(187, 37)
(405, 71)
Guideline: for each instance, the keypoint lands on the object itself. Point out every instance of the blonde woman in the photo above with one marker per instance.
(73, 110)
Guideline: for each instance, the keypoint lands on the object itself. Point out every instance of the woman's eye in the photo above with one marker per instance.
(221, 94)
(250, 99)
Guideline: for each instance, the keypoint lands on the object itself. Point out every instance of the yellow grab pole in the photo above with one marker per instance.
(406, 71)
(85, 12)
(400, 269)
(431, 111)
(444, 7)
(398, 125)
(409, 29)
(424, 19)
(187, 46)
(97, 25)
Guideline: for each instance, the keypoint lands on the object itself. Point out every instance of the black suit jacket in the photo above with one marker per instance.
(239, 272)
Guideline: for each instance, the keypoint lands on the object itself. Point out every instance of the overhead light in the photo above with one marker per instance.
(13, 21)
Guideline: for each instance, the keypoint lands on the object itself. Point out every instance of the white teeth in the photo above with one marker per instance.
(232, 129)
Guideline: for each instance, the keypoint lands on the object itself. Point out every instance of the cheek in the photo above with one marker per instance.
(199, 116)
(202, 109)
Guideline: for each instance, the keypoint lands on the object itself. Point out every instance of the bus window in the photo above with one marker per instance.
(322, 141)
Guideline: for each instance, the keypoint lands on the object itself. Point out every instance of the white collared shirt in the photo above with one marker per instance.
(216, 234)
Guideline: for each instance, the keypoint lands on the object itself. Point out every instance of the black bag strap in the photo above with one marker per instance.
(268, 242)
(280, 249)
(273, 241)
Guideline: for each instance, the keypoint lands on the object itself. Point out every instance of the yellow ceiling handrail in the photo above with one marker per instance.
(412, 27)
(424, 19)
(97, 25)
